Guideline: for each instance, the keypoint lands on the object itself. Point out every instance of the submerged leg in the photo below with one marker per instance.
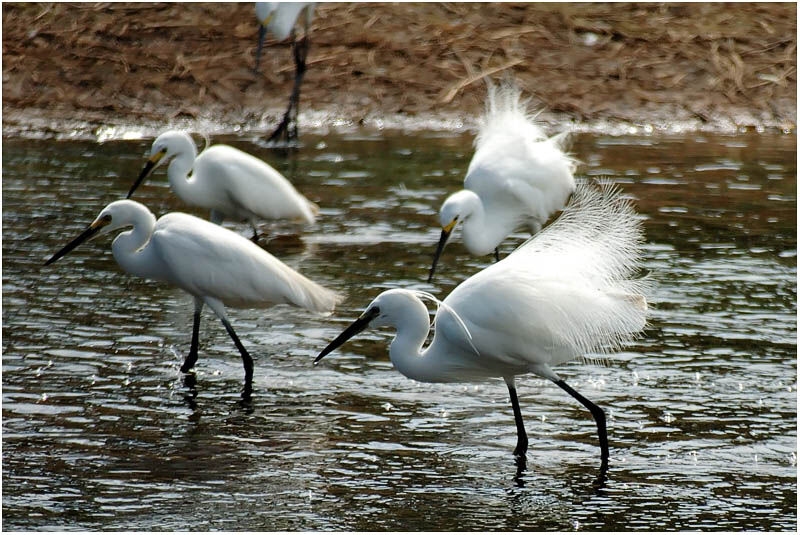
(599, 418)
(496, 254)
(219, 309)
(191, 358)
(247, 360)
(522, 436)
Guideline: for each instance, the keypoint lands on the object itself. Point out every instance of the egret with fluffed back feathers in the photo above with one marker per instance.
(517, 178)
(227, 181)
(570, 290)
(216, 266)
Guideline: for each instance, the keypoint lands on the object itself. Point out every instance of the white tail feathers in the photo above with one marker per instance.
(305, 293)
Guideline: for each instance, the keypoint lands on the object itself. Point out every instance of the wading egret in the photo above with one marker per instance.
(218, 267)
(279, 18)
(229, 182)
(517, 178)
(569, 290)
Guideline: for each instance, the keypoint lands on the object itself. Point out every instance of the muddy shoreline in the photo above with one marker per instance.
(112, 70)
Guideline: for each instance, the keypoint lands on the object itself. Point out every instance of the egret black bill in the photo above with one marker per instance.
(93, 229)
(151, 164)
(446, 231)
(356, 327)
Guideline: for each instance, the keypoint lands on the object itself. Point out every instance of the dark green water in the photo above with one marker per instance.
(98, 432)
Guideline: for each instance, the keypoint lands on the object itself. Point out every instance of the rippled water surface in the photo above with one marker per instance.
(100, 432)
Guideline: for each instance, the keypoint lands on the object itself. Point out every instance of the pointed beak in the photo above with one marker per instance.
(148, 168)
(446, 231)
(356, 327)
(93, 229)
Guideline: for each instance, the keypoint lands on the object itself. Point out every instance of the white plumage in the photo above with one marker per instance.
(570, 289)
(279, 18)
(227, 181)
(207, 260)
(516, 179)
(218, 267)
(575, 280)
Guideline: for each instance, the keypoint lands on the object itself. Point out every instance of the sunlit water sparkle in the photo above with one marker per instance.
(99, 431)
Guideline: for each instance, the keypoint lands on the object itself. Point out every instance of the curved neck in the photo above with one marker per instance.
(476, 233)
(130, 247)
(178, 173)
(406, 352)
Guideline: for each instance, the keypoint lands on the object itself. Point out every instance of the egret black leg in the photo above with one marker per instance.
(247, 361)
(287, 129)
(496, 254)
(262, 33)
(254, 239)
(522, 436)
(191, 358)
(599, 418)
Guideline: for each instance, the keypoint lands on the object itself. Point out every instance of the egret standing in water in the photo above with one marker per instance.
(517, 178)
(569, 290)
(229, 182)
(218, 267)
(279, 18)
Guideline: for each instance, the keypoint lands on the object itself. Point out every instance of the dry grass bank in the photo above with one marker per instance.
(630, 62)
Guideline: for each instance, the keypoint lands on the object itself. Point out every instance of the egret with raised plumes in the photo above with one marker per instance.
(517, 178)
(216, 266)
(227, 181)
(570, 290)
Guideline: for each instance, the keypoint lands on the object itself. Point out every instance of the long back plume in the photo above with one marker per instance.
(441, 304)
(591, 258)
(507, 113)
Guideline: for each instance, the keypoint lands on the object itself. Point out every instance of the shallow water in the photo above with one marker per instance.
(99, 431)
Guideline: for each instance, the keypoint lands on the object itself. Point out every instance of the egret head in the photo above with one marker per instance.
(116, 215)
(391, 307)
(166, 146)
(457, 207)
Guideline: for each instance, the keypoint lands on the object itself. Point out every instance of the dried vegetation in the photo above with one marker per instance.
(594, 61)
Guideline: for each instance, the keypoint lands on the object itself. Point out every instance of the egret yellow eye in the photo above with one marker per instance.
(102, 222)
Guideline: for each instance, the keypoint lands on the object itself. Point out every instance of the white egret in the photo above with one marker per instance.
(569, 290)
(215, 265)
(279, 18)
(517, 178)
(227, 181)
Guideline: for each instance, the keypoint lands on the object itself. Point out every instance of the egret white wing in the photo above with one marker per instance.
(208, 260)
(285, 17)
(546, 320)
(254, 185)
(569, 290)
